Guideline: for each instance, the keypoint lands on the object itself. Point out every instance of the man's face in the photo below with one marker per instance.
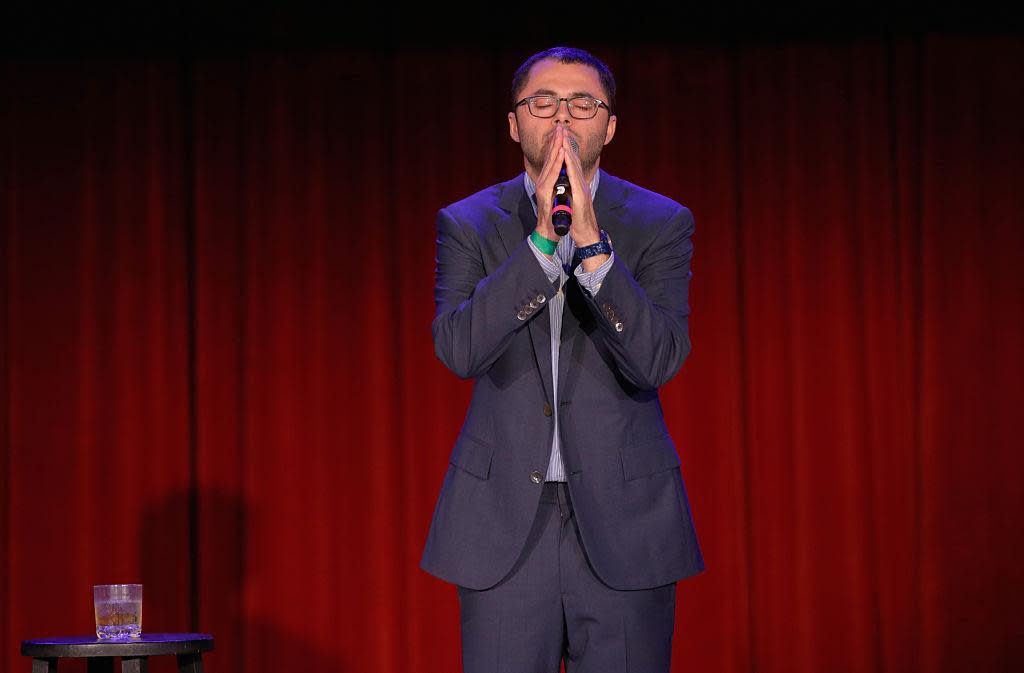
(563, 80)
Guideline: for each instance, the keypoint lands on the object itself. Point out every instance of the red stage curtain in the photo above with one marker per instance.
(218, 377)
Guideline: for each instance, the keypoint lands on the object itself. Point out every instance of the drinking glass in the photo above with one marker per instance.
(118, 610)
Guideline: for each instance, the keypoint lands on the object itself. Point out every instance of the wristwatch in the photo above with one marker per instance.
(602, 247)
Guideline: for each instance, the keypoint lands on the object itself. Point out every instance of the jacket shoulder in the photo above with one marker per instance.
(640, 198)
(483, 207)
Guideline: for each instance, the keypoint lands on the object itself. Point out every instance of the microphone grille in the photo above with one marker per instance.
(575, 145)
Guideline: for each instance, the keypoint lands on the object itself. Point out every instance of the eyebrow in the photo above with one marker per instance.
(549, 92)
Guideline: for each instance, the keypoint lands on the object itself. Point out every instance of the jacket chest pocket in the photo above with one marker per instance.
(648, 457)
(472, 455)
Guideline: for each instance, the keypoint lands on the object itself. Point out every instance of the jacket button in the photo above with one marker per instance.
(521, 315)
(536, 477)
(618, 327)
(541, 299)
(547, 409)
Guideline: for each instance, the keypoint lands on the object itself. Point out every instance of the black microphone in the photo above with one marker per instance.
(561, 210)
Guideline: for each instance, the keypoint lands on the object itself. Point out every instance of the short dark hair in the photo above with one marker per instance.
(565, 55)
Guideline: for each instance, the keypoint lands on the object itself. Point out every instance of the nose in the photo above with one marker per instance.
(562, 115)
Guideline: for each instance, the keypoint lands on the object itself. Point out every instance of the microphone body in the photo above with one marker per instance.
(561, 208)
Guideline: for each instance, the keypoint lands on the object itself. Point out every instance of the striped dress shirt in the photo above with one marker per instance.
(557, 268)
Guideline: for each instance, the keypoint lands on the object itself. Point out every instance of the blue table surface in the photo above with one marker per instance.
(146, 638)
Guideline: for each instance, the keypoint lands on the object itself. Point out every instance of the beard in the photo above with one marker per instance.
(536, 150)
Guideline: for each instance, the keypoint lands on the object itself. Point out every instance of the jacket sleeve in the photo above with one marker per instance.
(477, 315)
(643, 317)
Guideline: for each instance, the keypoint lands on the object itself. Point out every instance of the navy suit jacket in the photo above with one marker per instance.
(617, 347)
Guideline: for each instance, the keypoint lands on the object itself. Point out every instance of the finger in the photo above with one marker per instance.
(556, 140)
(553, 152)
(567, 145)
(575, 154)
(549, 174)
(558, 137)
(553, 165)
(575, 172)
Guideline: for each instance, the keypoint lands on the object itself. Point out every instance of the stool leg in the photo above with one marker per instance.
(44, 666)
(134, 664)
(188, 663)
(100, 664)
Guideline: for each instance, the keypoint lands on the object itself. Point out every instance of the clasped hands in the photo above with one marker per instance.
(584, 229)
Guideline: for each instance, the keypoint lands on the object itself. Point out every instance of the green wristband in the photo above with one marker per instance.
(545, 245)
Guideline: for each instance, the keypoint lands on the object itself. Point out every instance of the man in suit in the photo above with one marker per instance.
(563, 519)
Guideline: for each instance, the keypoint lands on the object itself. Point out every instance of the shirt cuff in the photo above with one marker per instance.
(551, 267)
(591, 280)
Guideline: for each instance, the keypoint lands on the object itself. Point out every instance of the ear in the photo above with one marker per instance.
(513, 126)
(609, 132)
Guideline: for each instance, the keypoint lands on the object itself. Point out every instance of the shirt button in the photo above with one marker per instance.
(536, 477)
(547, 409)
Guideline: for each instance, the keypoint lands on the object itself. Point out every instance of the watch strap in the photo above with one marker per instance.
(602, 247)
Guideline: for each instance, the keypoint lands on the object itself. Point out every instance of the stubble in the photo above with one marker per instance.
(535, 149)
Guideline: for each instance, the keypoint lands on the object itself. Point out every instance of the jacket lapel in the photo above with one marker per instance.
(607, 204)
(515, 224)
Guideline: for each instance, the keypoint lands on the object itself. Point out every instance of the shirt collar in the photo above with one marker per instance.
(531, 188)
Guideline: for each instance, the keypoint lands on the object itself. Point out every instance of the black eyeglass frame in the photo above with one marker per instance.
(568, 105)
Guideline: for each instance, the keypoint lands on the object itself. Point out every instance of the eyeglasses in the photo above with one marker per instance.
(580, 107)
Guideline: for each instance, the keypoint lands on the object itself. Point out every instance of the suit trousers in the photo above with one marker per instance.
(552, 607)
